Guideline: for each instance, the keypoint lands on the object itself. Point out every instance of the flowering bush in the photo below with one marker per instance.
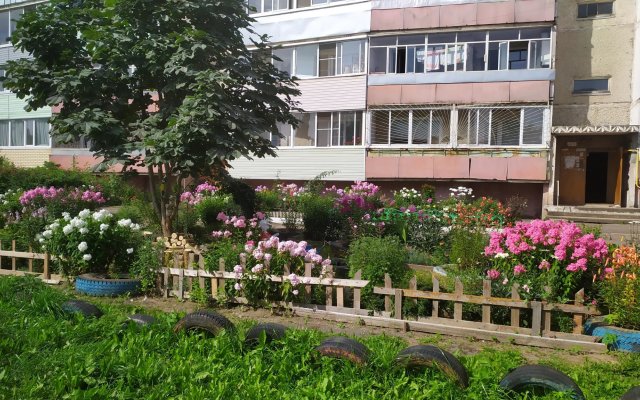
(461, 193)
(238, 229)
(359, 198)
(269, 257)
(481, 213)
(411, 197)
(539, 254)
(620, 288)
(91, 242)
(201, 191)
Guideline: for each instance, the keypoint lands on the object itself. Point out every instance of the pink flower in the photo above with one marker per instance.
(505, 281)
(249, 246)
(544, 264)
(493, 274)
(260, 215)
(526, 288)
(222, 216)
(519, 269)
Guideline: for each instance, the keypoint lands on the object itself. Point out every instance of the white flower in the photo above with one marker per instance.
(47, 234)
(67, 229)
(41, 240)
(104, 227)
(237, 286)
(84, 231)
(84, 213)
(295, 292)
(66, 216)
(54, 225)
(129, 250)
(501, 255)
(135, 227)
(86, 257)
(100, 215)
(124, 222)
(83, 246)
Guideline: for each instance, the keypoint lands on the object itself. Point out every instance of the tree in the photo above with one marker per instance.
(167, 85)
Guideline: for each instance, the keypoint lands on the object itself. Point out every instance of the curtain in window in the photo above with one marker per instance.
(4, 133)
(17, 133)
(42, 132)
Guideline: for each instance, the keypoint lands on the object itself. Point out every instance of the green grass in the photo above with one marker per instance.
(46, 355)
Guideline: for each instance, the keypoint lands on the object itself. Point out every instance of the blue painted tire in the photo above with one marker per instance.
(625, 339)
(94, 285)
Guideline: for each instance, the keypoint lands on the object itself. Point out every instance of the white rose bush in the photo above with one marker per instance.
(93, 242)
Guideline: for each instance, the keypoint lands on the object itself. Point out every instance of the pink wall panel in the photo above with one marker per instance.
(490, 92)
(451, 167)
(389, 19)
(534, 10)
(529, 91)
(454, 93)
(495, 13)
(415, 167)
(387, 94)
(418, 94)
(458, 15)
(527, 168)
(481, 13)
(421, 17)
(381, 167)
(490, 168)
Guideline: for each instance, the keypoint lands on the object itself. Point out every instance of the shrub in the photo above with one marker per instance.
(243, 194)
(322, 221)
(377, 257)
(147, 263)
(208, 209)
(467, 247)
(267, 200)
(91, 242)
(12, 177)
(620, 288)
(539, 254)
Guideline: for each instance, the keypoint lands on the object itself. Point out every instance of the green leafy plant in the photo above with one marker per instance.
(322, 221)
(147, 263)
(467, 247)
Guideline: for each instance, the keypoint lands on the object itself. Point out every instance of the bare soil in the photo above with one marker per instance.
(463, 345)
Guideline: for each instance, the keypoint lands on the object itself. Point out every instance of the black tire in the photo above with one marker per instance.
(206, 321)
(271, 331)
(84, 308)
(632, 394)
(344, 348)
(141, 319)
(426, 356)
(540, 377)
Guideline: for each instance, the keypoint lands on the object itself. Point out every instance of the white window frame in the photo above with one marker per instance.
(24, 134)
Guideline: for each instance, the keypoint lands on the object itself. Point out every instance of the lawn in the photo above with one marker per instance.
(47, 355)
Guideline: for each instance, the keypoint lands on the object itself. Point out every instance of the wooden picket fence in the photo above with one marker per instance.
(189, 267)
(9, 259)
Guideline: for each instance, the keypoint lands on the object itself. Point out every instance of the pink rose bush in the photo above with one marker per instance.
(546, 254)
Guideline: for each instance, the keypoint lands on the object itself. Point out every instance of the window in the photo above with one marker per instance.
(260, 6)
(30, 132)
(324, 59)
(8, 22)
(503, 49)
(419, 126)
(500, 126)
(593, 10)
(591, 86)
(329, 129)
(3, 74)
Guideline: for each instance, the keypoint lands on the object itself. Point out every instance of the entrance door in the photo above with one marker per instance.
(596, 177)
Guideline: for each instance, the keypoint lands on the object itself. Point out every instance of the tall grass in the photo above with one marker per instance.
(46, 355)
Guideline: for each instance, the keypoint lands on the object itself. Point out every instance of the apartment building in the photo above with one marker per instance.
(406, 92)
(596, 114)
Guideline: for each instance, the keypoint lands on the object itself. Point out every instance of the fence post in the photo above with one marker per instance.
(181, 283)
(31, 259)
(13, 259)
(356, 291)
(190, 261)
(547, 314)
(307, 288)
(45, 266)
(221, 268)
(578, 319)
(201, 280)
(413, 285)
(457, 306)
(167, 272)
(515, 312)
(398, 304)
(340, 296)
(329, 289)
(436, 289)
(387, 298)
(486, 309)
(536, 320)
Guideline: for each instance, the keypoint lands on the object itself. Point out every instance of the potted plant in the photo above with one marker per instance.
(97, 249)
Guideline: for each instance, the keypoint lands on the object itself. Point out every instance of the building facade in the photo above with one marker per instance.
(529, 98)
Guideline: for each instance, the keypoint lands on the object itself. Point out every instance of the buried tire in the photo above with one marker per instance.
(542, 378)
(271, 331)
(425, 356)
(84, 308)
(209, 322)
(632, 394)
(344, 348)
(140, 320)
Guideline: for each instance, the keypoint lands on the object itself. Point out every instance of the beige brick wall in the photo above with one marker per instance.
(26, 157)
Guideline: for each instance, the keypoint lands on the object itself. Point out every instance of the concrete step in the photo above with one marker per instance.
(593, 218)
(595, 210)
